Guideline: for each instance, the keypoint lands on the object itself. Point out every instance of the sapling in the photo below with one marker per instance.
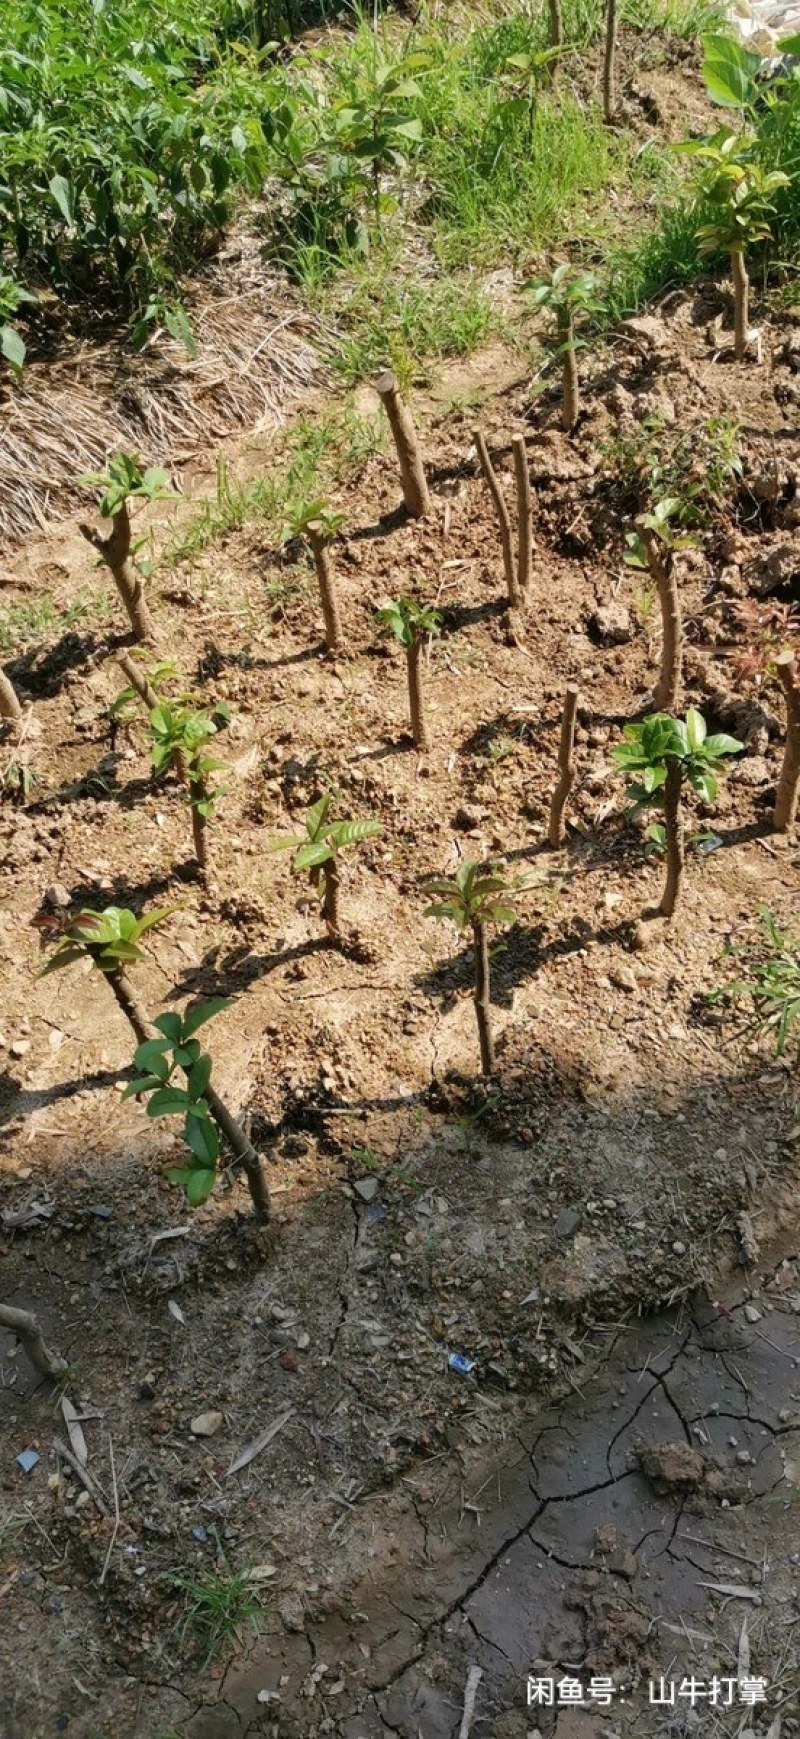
(410, 623)
(556, 828)
(177, 731)
(472, 899)
(522, 477)
(737, 191)
(567, 294)
(110, 940)
(660, 756)
(653, 546)
(121, 483)
(316, 522)
(317, 853)
(144, 685)
(173, 1046)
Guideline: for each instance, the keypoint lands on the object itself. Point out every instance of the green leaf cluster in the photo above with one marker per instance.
(110, 939)
(174, 727)
(324, 837)
(124, 480)
(476, 894)
(648, 748)
(736, 188)
(408, 621)
(772, 984)
(157, 1060)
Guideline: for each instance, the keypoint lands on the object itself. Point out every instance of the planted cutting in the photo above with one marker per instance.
(737, 193)
(317, 853)
(111, 941)
(174, 1047)
(567, 294)
(122, 483)
(318, 524)
(661, 757)
(475, 898)
(412, 624)
(181, 736)
(653, 546)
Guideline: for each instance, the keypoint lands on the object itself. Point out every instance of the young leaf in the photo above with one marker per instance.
(170, 1025)
(151, 1056)
(203, 1138)
(198, 1186)
(166, 1101)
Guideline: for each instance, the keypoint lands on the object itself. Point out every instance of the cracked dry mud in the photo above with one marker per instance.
(570, 1558)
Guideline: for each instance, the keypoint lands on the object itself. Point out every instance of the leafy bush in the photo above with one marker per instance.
(125, 130)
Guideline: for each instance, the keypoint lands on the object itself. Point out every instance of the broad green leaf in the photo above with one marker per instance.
(170, 1025)
(199, 1076)
(313, 854)
(317, 814)
(720, 744)
(199, 1185)
(203, 1138)
(167, 1101)
(186, 1055)
(695, 729)
(12, 348)
(151, 1056)
(141, 1085)
(62, 194)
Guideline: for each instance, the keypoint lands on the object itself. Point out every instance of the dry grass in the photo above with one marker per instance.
(255, 355)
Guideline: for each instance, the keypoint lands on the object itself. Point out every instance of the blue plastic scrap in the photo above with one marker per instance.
(27, 1460)
(459, 1363)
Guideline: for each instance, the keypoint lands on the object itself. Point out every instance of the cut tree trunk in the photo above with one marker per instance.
(23, 1324)
(524, 516)
(556, 831)
(116, 553)
(741, 304)
(412, 471)
(570, 385)
(785, 809)
(419, 722)
(661, 566)
(9, 701)
(482, 1003)
(334, 638)
(503, 518)
(673, 822)
(330, 897)
(610, 64)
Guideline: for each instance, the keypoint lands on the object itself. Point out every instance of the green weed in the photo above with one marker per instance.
(217, 1605)
(22, 623)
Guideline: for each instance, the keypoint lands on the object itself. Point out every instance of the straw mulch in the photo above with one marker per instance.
(253, 361)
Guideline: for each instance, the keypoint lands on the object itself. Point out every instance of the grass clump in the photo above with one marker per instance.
(217, 1605)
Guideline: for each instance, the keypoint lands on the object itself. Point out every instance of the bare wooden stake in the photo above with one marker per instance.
(785, 810)
(416, 698)
(503, 517)
(9, 701)
(557, 829)
(412, 471)
(524, 516)
(483, 1007)
(334, 638)
(25, 1326)
(570, 382)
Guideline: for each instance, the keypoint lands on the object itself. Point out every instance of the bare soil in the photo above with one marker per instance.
(604, 1174)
